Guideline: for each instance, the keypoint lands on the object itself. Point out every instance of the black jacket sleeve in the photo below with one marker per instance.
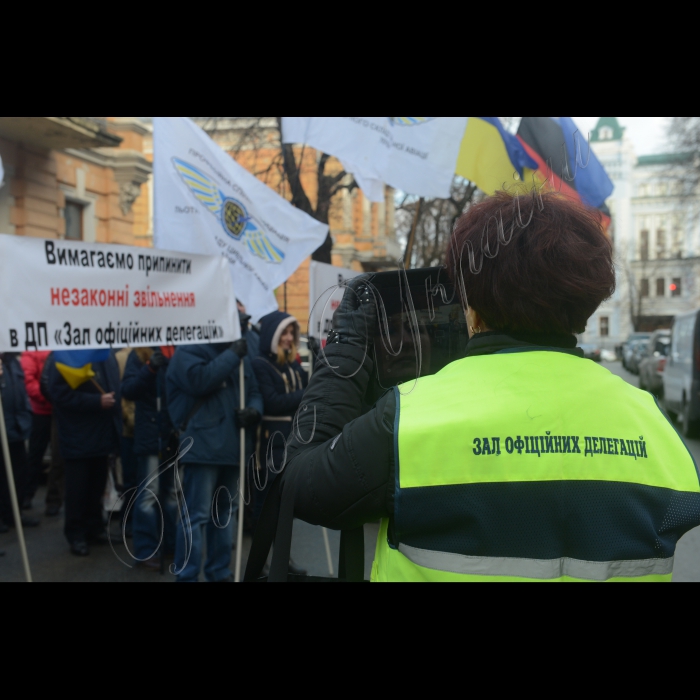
(344, 477)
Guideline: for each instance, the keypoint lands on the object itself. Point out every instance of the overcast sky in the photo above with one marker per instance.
(647, 133)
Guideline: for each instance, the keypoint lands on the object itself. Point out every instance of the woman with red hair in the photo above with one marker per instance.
(521, 462)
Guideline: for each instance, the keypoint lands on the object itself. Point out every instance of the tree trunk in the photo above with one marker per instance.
(300, 200)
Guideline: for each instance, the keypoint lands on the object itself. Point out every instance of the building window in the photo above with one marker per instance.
(606, 133)
(604, 327)
(677, 287)
(661, 288)
(644, 245)
(661, 243)
(73, 214)
(644, 190)
(677, 242)
(645, 288)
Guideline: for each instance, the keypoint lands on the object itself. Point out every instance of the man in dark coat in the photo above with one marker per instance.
(204, 403)
(89, 426)
(18, 420)
(144, 383)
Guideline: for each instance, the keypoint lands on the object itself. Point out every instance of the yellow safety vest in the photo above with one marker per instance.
(535, 466)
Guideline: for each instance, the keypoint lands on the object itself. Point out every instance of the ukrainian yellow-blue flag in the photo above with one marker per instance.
(490, 157)
(75, 366)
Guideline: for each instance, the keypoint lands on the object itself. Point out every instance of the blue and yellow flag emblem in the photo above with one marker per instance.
(75, 366)
(410, 121)
(234, 217)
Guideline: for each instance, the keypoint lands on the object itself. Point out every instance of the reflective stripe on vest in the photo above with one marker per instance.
(535, 466)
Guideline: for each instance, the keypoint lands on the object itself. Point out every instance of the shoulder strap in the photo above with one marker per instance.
(199, 405)
(282, 375)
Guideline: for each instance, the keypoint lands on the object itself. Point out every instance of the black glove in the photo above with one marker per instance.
(355, 321)
(240, 347)
(158, 360)
(248, 417)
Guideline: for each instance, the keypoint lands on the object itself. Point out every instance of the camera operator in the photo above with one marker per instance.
(155, 444)
(18, 421)
(473, 471)
(204, 403)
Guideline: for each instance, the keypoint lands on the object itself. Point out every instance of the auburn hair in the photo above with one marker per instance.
(532, 263)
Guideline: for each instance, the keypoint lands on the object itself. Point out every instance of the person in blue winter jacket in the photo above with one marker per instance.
(204, 404)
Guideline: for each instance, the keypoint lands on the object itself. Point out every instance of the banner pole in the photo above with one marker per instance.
(13, 495)
(327, 542)
(241, 495)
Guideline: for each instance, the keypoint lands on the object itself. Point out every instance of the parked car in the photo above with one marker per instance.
(638, 353)
(653, 364)
(630, 346)
(591, 352)
(682, 374)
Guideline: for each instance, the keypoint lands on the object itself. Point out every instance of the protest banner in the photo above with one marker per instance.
(325, 294)
(207, 203)
(415, 154)
(67, 295)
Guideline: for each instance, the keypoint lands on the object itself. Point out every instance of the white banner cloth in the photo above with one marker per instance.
(324, 297)
(207, 203)
(64, 295)
(415, 154)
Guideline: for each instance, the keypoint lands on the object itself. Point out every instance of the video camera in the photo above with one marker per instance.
(422, 327)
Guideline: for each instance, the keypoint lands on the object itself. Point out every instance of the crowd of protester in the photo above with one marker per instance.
(124, 428)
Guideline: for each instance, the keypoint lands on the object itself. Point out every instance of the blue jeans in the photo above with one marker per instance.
(211, 500)
(154, 525)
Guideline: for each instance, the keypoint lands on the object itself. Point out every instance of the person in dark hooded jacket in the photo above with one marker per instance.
(18, 421)
(282, 384)
(89, 422)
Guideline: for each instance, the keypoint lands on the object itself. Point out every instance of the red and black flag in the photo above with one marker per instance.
(565, 159)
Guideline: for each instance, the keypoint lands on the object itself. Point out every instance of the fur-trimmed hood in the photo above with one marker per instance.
(272, 327)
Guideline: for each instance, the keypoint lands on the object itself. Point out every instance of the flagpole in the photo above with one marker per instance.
(329, 556)
(241, 495)
(13, 495)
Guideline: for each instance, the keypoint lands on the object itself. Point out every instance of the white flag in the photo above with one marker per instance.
(207, 203)
(415, 154)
